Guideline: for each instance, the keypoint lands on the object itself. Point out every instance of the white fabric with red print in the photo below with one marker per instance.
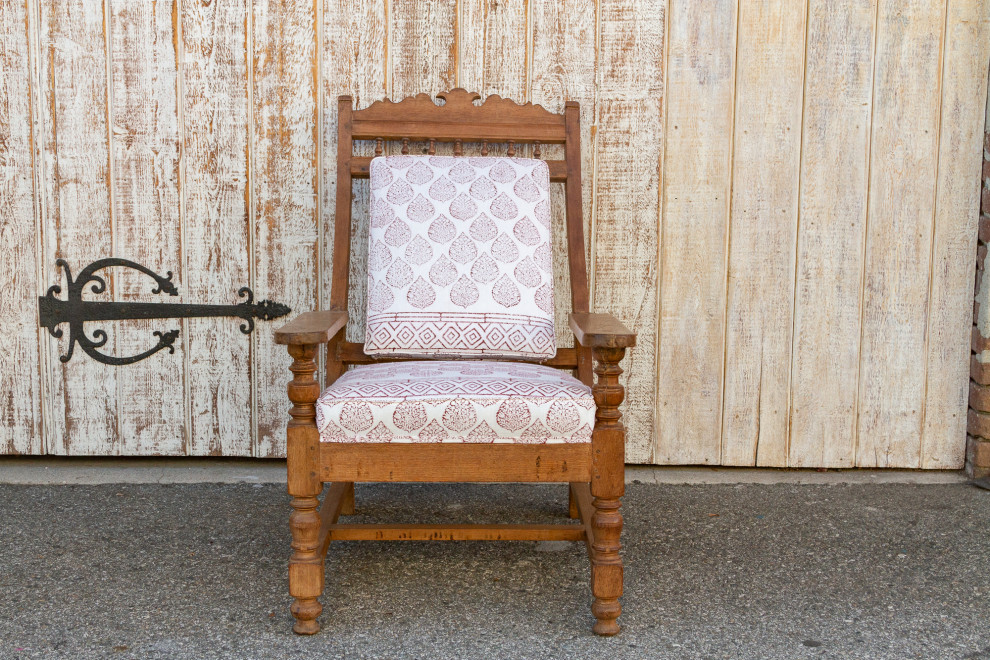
(460, 260)
(468, 401)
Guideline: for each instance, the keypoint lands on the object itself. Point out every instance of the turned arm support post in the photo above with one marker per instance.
(304, 335)
(608, 339)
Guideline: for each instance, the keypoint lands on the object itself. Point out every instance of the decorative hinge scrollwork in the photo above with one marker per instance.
(75, 311)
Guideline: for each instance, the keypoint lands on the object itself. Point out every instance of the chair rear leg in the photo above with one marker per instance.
(347, 505)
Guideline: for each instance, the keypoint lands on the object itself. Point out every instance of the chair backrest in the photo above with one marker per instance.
(459, 120)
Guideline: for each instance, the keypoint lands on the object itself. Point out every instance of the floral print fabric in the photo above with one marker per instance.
(460, 261)
(456, 401)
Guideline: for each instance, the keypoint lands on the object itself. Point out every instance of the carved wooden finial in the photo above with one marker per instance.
(536, 150)
(484, 148)
(433, 147)
(511, 151)
(405, 146)
(459, 97)
(458, 149)
(378, 146)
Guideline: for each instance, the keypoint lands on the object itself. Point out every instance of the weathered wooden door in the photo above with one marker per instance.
(780, 198)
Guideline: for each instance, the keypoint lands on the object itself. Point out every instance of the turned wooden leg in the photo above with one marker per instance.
(303, 459)
(607, 486)
(347, 504)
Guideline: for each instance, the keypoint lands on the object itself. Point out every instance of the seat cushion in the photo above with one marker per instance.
(460, 260)
(456, 401)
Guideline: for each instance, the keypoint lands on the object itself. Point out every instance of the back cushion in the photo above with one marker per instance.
(459, 261)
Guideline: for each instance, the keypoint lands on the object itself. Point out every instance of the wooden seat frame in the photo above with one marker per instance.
(595, 470)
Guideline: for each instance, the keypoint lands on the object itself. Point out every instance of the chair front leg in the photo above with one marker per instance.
(607, 487)
(302, 454)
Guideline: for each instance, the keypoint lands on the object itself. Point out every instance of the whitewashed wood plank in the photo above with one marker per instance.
(950, 315)
(217, 224)
(491, 53)
(423, 49)
(899, 232)
(285, 178)
(78, 225)
(356, 48)
(20, 379)
(562, 68)
(832, 225)
(763, 229)
(696, 185)
(625, 230)
(145, 149)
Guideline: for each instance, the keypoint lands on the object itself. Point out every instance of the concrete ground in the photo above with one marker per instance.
(723, 570)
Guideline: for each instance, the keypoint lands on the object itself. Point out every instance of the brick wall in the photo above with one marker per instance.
(978, 444)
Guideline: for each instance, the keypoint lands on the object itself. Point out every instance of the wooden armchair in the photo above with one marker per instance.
(459, 329)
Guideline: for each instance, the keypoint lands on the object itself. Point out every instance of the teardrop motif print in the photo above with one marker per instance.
(459, 415)
(463, 249)
(504, 208)
(526, 232)
(379, 257)
(381, 213)
(513, 415)
(464, 293)
(463, 207)
(462, 172)
(482, 189)
(399, 192)
(421, 295)
(397, 234)
(534, 434)
(442, 189)
(484, 269)
(544, 298)
(505, 292)
(527, 273)
(419, 251)
(442, 161)
(505, 249)
(400, 162)
(380, 298)
(542, 213)
(544, 258)
(419, 174)
(502, 172)
(563, 417)
(433, 432)
(483, 433)
(421, 209)
(443, 273)
(356, 416)
(442, 230)
(526, 189)
(483, 228)
(409, 415)
(482, 161)
(541, 176)
(381, 176)
(399, 274)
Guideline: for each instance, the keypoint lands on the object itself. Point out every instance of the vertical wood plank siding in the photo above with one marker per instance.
(780, 197)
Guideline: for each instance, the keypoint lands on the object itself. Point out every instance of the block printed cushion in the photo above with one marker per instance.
(470, 401)
(460, 261)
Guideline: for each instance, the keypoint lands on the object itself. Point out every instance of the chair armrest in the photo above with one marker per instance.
(311, 328)
(601, 331)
